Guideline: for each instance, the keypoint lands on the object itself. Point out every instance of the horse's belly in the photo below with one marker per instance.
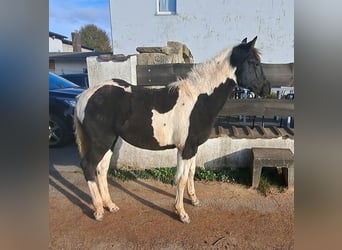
(149, 143)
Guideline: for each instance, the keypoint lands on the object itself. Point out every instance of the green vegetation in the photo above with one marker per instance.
(269, 177)
(95, 37)
(166, 175)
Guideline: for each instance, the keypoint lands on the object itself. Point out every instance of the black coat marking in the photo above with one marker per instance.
(241, 52)
(203, 116)
(109, 113)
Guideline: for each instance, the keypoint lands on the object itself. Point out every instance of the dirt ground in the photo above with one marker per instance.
(231, 216)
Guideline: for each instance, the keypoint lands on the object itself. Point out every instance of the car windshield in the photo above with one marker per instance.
(57, 82)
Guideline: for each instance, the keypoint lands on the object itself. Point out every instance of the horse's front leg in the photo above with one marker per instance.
(183, 167)
(191, 186)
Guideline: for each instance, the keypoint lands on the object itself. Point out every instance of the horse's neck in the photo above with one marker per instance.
(213, 103)
(222, 92)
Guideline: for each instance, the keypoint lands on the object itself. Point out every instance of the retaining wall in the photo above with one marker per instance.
(220, 152)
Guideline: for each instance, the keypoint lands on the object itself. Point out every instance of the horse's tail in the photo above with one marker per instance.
(80, 136)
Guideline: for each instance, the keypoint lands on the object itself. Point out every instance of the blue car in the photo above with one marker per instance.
(81, 79)
(62, 101)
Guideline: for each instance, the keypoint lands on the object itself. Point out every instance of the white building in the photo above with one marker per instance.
(62, 57)
(59, 43)
(206, 27)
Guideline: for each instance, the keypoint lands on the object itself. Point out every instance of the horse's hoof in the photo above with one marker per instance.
(185, 218)
(196, 203)
(113, 208)
(98, 216)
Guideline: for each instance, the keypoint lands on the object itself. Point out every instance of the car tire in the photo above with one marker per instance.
(58, 133)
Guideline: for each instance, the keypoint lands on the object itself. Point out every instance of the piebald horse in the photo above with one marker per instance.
(179, 115)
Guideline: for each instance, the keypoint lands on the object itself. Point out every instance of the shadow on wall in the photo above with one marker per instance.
(238, 159)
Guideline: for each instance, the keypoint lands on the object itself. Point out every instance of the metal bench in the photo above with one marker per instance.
(272, 157)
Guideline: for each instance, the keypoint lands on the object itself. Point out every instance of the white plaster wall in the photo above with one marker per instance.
(221, 152)
(69, 48)
(99, 71)
(55, 45)
(206, 27)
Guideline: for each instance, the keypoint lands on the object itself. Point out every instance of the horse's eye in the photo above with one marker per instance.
(256, 63)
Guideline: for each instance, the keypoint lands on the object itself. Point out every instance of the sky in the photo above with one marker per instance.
(67, 16)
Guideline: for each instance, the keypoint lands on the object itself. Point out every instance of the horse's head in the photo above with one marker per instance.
(249, 73)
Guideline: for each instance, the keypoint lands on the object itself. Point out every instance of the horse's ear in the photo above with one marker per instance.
(244, 40)
(252, 43)
(241, 51)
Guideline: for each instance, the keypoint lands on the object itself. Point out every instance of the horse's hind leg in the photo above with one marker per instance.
(102, 169)
(181, 179)
(191, 186)
(89, 171)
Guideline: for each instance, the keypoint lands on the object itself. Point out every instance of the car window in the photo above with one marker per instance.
(57, 82)
(79, 79)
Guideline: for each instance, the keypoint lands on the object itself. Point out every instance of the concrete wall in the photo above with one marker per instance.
(206, 27)
(221, 152)
(101, 70)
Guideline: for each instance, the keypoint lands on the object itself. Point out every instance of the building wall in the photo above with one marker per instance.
(55, 45)
(206, 27)
(69, 48)
(69, 67)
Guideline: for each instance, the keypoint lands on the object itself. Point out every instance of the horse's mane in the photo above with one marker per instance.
(204, 77)
(257, 54)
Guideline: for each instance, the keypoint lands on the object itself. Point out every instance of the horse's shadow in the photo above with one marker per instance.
(83, 200)
(74, 194)
(144, 201)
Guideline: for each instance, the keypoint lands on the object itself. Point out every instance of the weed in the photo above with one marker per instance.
(264, 186)
(123, 175)
(205, 174)
(271, 177)
(240, 176)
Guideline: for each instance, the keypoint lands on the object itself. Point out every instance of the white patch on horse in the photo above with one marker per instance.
(170, 127)
(97, 200)
(84, 97)
(102, 169)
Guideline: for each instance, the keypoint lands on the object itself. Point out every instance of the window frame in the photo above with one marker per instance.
(165, 13)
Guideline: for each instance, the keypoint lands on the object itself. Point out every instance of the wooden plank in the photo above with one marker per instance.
(161, 74)
(258, 107)
(279, 74)
(182, 69)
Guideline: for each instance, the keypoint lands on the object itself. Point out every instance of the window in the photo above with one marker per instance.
(166, 7)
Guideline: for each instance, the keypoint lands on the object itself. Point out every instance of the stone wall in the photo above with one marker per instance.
(174, 52)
